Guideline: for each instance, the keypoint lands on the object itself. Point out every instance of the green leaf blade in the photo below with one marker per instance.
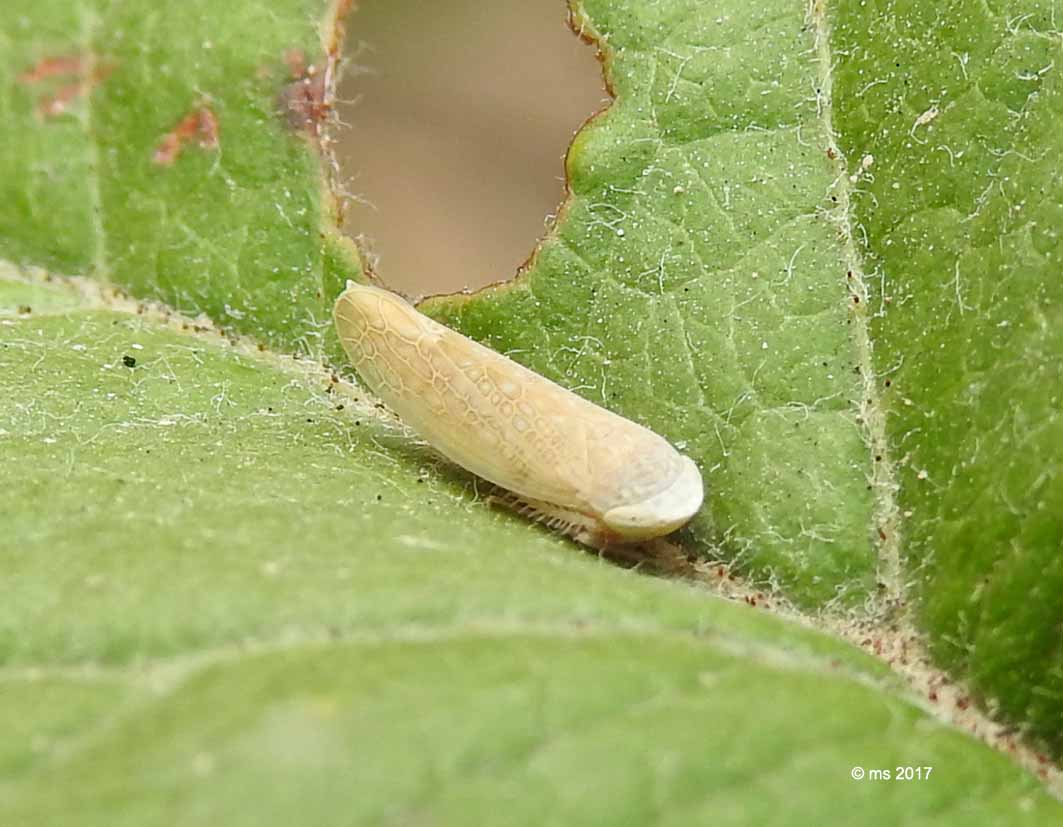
(961, 217)
(513, 728)
(703, 255)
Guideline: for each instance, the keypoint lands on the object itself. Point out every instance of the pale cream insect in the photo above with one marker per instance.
(599, 477)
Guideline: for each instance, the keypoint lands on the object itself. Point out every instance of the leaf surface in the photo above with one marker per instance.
(238, 592)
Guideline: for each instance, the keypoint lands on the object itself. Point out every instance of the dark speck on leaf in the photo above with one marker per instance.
(24, 309)
(379, 497)
(129, 361)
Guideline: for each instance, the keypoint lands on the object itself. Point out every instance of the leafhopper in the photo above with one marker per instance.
(600, 478)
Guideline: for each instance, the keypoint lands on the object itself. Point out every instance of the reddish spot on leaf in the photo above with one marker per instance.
(304, 101)
(81, 75)
(208, 129)
(199, 126)
(296, 61)
(51, 106)
(50, 67)
(305, 105)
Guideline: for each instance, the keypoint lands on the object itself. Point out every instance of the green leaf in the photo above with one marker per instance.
(511, 726)
(240, 582)
(236, 591)
(723, 264)
(172, 169)
(962, 221)
(700, 243)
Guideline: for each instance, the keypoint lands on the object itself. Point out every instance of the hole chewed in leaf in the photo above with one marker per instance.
(459, 118)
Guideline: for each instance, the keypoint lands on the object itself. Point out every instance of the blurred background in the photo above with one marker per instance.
(459, 114)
